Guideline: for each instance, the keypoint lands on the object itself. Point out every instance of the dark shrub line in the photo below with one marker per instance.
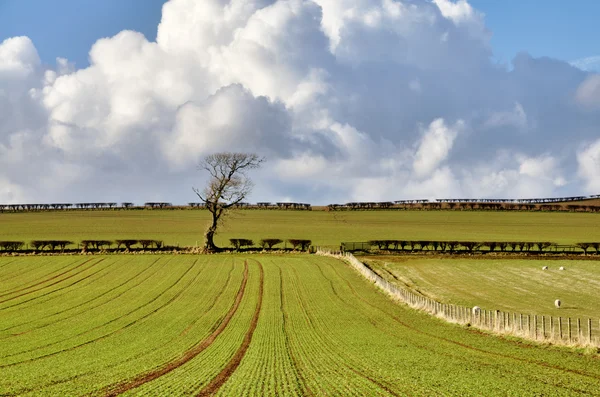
(270, 243)
(11, 245)
(475, 246)
(85, 245)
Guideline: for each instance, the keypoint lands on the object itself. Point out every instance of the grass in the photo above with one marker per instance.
(185, 227)
(257, 326)
(508, 285)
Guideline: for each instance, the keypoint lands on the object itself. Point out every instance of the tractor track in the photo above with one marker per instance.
(468, 347)
(58, 289)
(47, 286)
(20, 273)
(122, 387)
(301, 381)
(343, 359)
(78, 305)
(435, 352)
(14, 291)
(218, 381)
(137, 320)
(213, 303)
(141, 354)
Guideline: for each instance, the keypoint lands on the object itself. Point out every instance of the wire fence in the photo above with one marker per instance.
(558, 330)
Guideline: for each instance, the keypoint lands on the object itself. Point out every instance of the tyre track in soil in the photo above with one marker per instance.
(76, 306)
(85, 309)
(104, 270)
(99, 326)
(465, 346)
(122, 387)
(337, 361)
(17, 273)
(346, 359)
(45, 294)
(48, 285)
(300, 380)
(7, 263)
(215, 384)
(75, 377)
(14, 291)
(454, 356)
(209, 308)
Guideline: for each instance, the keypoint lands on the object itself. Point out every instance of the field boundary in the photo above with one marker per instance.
(556, 330)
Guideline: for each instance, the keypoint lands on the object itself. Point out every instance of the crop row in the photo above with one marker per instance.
(167, 303)
(269, 326)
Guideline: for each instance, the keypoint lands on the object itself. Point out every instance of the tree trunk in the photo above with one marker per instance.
(209, 245)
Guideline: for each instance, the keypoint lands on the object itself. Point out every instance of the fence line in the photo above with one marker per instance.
(558, 330)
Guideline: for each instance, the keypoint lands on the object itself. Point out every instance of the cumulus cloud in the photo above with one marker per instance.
(435, 146)
(588, 64)
(588, 92)
(589, 166)
(348, 100)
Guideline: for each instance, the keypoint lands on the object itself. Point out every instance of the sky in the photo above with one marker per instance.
(555, 30)
(347, 99)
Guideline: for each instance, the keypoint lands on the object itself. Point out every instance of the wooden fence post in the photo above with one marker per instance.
(543, 327)
(535, 333)
(578, 330)
(520, 322)
(569, 327)
(590, 330)
(551, 328)
(560, 334)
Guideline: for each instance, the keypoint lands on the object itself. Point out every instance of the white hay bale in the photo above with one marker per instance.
(557, 303)
(476, 310)
(545, 268)
(561, 268)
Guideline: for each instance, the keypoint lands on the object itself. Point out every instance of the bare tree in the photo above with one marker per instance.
(228, 186)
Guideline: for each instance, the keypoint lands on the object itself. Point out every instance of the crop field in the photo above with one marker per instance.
(257, 325)
(185, 227)
(509, 285)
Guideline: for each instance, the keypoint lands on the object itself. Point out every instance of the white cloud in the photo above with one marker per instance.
(589, 64)
(589, 167)
(588, 92)
(333, 92)
(435, 146)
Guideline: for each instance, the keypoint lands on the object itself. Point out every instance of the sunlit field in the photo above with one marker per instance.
(185, 227)
(257, 325)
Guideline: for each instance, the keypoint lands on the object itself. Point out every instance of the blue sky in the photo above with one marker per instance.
(352, 100)
(68, 28)
(566, 30)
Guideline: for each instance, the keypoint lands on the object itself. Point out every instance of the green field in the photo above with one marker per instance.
(510, 285)
(185, 227)
(257, 325)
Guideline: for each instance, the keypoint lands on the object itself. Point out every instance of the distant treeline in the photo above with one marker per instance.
(462, 206)
(534, 204)
(471, 246)
(148, 205)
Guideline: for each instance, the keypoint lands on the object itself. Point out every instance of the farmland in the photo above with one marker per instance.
(185, 227)
(256, 325)
(508, 285)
